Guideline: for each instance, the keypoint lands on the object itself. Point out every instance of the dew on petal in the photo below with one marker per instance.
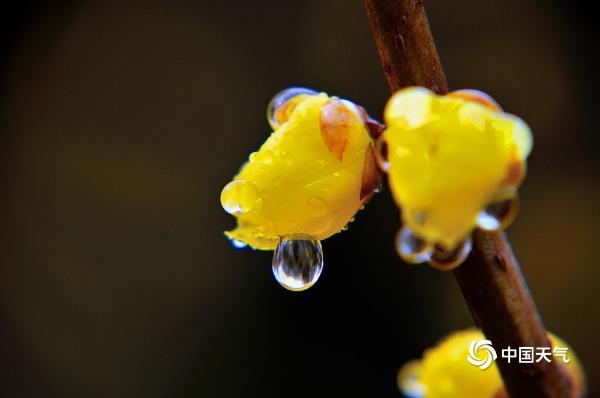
(477, 96)
(239, 197)
(281, 105)
(264, 157)
(318, 206)
(267, 157)
(321, 214)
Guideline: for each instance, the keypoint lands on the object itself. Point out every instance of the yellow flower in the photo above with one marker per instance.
(449, 157)
(444, 371)
(308, 179)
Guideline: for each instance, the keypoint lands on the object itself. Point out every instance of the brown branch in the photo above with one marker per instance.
(490, 279)
(405, 45)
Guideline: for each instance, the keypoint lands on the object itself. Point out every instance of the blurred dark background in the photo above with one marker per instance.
(120, 122)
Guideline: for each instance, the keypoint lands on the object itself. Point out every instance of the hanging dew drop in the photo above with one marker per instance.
(297, 264)
(277, 112)
(498, 215)
(239, 197)
(447, 260)
(238, 244)
(411, 248)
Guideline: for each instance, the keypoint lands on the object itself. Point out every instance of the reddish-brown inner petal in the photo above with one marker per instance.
(374, 128)
(515, 173)
(371, 179)
(335, 120)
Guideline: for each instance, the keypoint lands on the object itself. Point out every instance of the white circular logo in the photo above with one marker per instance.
(481, 345)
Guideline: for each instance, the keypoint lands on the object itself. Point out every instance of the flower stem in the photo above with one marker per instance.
(490, 279)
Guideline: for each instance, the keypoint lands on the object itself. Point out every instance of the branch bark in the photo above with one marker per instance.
(490, 279)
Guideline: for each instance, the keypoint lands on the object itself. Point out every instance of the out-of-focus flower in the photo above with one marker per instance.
(445, 372)
(454, 163)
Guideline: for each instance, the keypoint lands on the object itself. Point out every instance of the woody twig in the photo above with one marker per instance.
(490, 279)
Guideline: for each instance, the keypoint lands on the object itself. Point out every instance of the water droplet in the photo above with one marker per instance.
(409, 380)
(381, 155)
(318, 206)
(353, 107)
(498, 215)
(447, 260)
(411, 248)
(238, 197)
(267, 157)
(421, 217)
(321, 215)
(238, 244)
(336, 174)
(276, 114)
(478, 97)
(297, 264)
(264, 157)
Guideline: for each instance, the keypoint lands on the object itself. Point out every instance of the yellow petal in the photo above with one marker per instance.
(305, 181)
(450, 156)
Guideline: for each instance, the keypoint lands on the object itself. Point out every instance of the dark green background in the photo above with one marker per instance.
(120, 123)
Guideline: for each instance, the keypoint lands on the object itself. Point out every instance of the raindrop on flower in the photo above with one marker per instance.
(264, 157)
(318, 206)
(297, 264)
(238, 244)
(276, 113)
(447, 260)
(411, 248)
(381, 155)
(267, 157)
(321, 215)
(238, 197)
(498, 215)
